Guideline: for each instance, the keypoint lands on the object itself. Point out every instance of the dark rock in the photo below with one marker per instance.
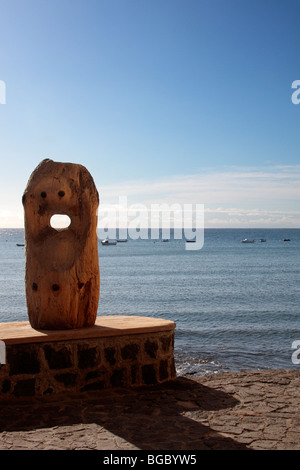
(130, 351)
(58, 359)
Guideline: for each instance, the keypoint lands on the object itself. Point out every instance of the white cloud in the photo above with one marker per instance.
(232, 197)
(236, 197)
(256, 218)
(214, 187)
(11, 218)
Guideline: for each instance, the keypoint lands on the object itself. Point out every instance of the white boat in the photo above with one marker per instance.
(262, 240)
(248, 241)
(108, 242)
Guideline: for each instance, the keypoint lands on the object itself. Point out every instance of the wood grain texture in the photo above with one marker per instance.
(62, 277)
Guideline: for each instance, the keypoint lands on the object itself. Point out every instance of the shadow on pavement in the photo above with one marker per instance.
(171, 416)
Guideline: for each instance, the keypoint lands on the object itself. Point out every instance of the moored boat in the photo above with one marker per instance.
(108, 242)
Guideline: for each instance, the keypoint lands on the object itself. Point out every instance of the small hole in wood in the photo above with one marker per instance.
(43, 194)
(61, 193)
(55, 287)
(34, 286)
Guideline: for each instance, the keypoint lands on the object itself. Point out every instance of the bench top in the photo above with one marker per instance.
(105, 326)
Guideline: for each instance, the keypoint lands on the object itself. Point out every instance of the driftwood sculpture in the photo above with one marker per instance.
(62, 269)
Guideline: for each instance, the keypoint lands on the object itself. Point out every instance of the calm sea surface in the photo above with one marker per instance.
(236, 306)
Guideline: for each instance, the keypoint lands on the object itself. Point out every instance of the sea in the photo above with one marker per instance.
(235, 305)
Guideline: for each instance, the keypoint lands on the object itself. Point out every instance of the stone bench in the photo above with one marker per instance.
(118, 351)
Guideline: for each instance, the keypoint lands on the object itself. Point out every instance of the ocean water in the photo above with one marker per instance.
(236, 305)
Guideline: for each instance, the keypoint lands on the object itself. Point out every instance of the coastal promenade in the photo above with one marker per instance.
(242, 411)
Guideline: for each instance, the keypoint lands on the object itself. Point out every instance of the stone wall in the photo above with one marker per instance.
(47, 367)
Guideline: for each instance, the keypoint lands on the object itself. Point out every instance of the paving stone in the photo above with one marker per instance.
(215, 412)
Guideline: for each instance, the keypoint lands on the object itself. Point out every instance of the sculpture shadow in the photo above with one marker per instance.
(170, 416)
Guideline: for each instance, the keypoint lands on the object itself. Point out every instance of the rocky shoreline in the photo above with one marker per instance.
(256, 410)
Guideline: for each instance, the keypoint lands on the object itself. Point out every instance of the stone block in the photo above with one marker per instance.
(87, 357)
(58, 358)
(118, 378)
(68, 379)
(23, 360)
(149, 374)
(130, 351)
(110, 355)
(163, 370)
(24, 388)
(151, 348)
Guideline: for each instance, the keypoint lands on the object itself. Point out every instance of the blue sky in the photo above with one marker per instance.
(164, 101)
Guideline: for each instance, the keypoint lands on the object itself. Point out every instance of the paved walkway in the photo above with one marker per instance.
(245, 410)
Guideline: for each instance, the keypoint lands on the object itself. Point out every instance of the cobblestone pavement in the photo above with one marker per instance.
(244, 410)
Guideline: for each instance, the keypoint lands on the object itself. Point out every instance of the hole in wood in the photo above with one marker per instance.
(60, 221)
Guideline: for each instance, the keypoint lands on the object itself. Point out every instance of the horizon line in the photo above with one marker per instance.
(174, 228)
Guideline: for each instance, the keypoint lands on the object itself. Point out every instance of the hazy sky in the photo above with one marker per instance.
(164, 101)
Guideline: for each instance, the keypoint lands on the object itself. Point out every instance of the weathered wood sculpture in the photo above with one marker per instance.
(62, 269)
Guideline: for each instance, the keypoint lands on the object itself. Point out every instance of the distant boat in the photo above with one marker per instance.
(190, 241)
(165, 240)
(20, 244)
(286, 240)
(122, 241)
(108, 242)
(248, 241)
(262, 240)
